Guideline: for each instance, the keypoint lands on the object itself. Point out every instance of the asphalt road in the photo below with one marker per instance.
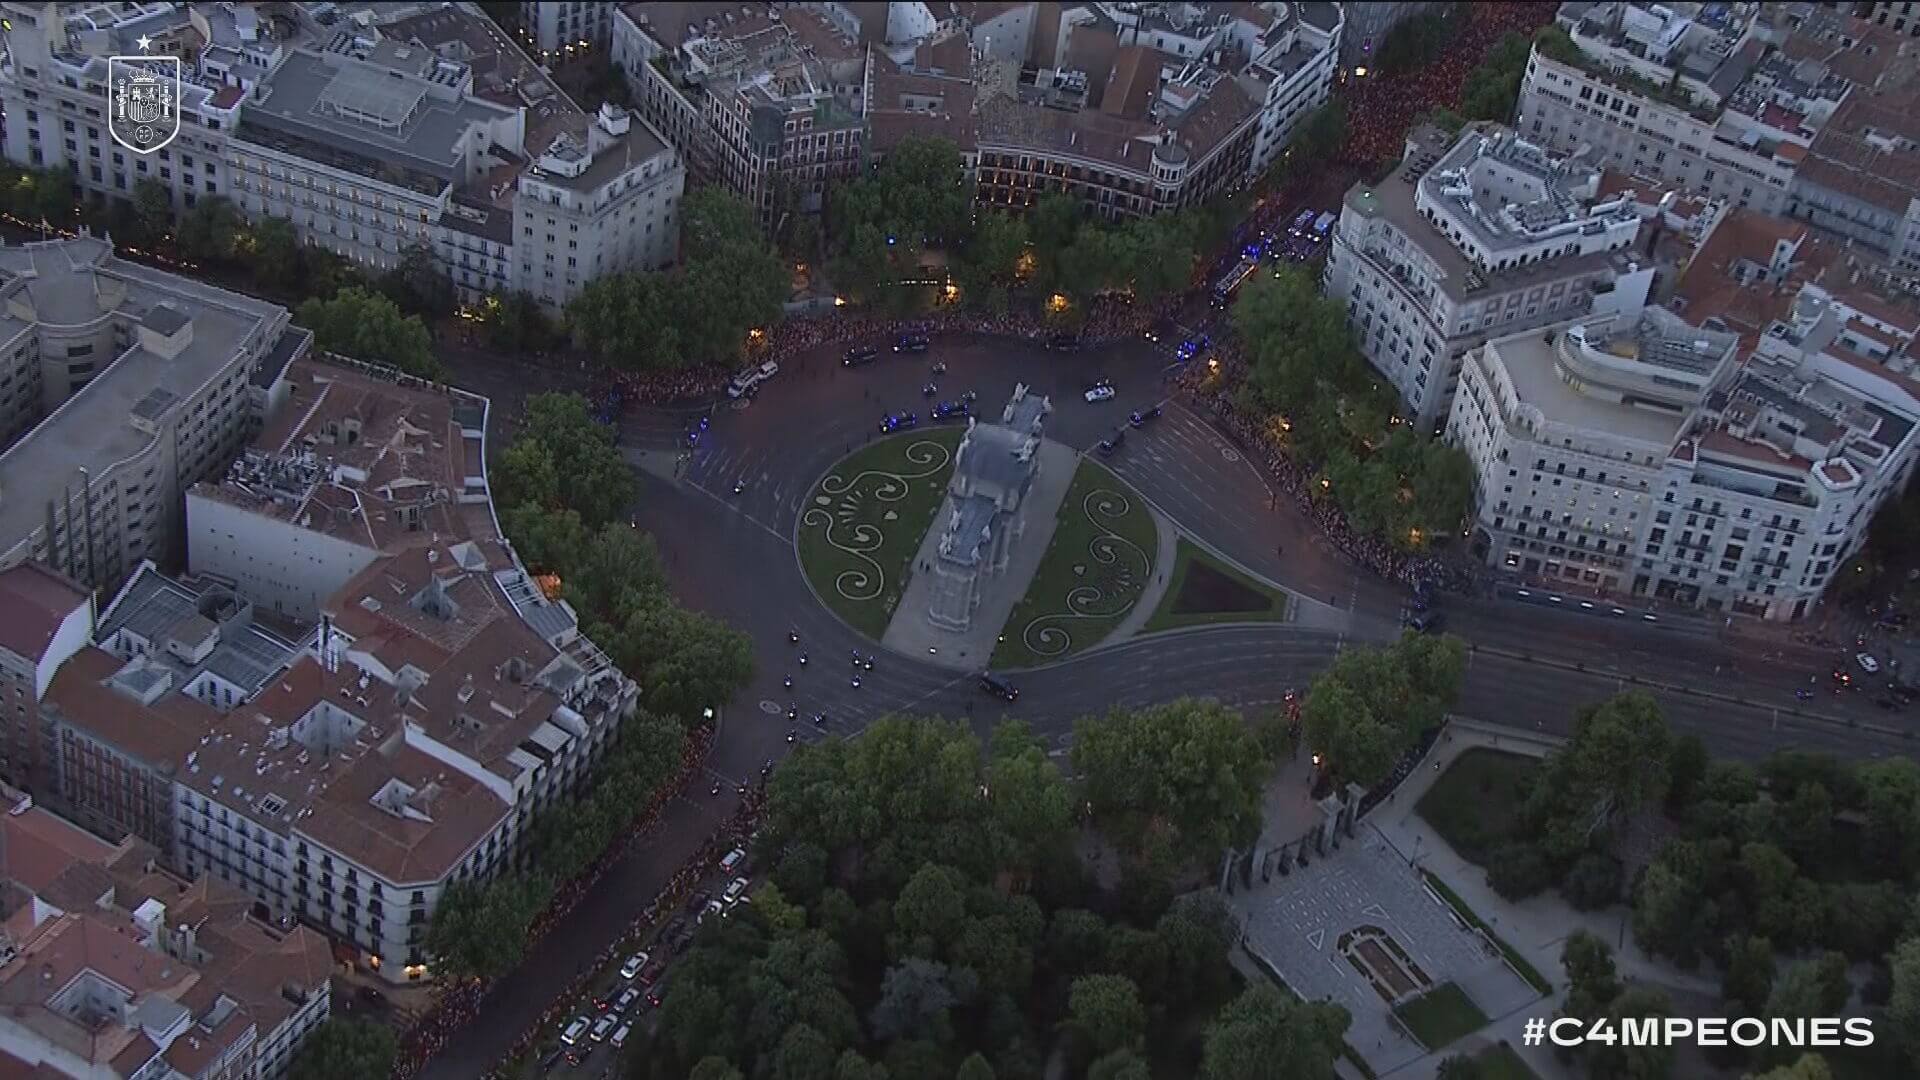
(732, 555)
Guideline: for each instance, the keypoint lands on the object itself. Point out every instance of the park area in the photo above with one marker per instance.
(864, 521)
(1093, 573)
(1205, 590)
(1474, 805)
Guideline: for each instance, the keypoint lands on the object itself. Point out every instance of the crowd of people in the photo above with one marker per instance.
(1380, 110)
(459, 1005)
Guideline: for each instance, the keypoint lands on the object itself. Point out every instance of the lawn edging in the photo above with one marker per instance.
(1441, 892)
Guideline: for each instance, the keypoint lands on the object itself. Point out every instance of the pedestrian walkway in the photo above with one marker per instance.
(1164, 557)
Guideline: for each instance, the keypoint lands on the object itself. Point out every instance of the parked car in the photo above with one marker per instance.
(736, 889)
(633, 965)
(619, 1037)
(731, 862)
(652, 972)
(626, 999)
(603, 1027)
(576, 1031)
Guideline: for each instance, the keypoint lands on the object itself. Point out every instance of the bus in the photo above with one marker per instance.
(1223, 291)
(1323, 224)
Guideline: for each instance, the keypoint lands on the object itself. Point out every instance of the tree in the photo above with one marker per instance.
(1593, 882)
(368, 326)
(152, 210)
(1519, 869)
(1592, 983)
(1493, 88)
(1639, 1062)
(932, 905)
(976, 1067)
(684, 661)
(1106, 1011)
(1261, 1034)
(271, 250)
(480, 930)
(1190, 765)
(1366, 710)
(1813, 987)
(804, 1054)
(588, 473)
(208, 231)
(993, 255)
(1808, 1066)
(1903, 1007)
(344, 1049)
(516, 323)
(1671, 912)
(417, 285)
(1890, 798)
(1748, 978)
(714, 1067)
(1120, 1065)
(1616, 763)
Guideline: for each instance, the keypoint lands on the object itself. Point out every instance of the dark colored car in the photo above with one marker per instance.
(1063, 342)
(998, 687)
(698, 900)
(1427, 622)
(911, 343)
(1113, 442)
(1141, 417)
(860, 354)
(893, 422)
(950, 410)
(650, 974)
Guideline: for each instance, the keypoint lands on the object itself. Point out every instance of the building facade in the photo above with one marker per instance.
(557, 31)
(1470, 238)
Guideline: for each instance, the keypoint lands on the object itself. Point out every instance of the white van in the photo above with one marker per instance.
(619, 1038)
(575, 1031)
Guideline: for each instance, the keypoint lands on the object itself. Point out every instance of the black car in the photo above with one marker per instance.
(1428, 622)
(998, 687)
(860, 354)
(1112, 442)
(1063, 342)
(950, 410)
(911, 343)
(1141, 417)
(698, 900)
(893, 422)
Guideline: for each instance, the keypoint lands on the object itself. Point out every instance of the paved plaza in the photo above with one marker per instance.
(1295, 922)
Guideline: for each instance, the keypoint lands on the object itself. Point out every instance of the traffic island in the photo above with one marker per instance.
(864, 520)
(1094, 573)
(1206, 590)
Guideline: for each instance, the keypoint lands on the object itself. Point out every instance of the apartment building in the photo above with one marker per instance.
(113, 967)
(1733, 464)
(140, 384)
(558, 31)
(1725, 102)
(1479, 236)
(49, 618)
(1897, 15)
(402, 126)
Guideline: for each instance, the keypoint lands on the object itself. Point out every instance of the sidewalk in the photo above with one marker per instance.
(1164, 556)
(1536, 928)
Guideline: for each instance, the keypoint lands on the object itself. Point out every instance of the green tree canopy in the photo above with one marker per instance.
(344, 1049)
(368, 326)
(1190, 766)
(1263, 1035)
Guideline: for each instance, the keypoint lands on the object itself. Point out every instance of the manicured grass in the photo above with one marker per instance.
(1527, 971)
(863, 523)
(1501, 1063)
(1475, 803)
(1205, 590)
(1442, 1015)
(1099, 561)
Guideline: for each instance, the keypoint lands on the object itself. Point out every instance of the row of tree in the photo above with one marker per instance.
(1332, 414)
(562, 490)
(1493, 88)
(729, 281)
(928, 915)
(1417, 41)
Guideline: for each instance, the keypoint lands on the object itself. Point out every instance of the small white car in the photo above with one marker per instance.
(626, 999)
(1099, 393)
(575, 1030)
(619, 1037)
(733, 860)
(769, 369)
(1867, 663)
(736, 889)
(633, 965)
(604, 1026)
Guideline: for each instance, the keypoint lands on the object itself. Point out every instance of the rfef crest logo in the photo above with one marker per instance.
(144, 101)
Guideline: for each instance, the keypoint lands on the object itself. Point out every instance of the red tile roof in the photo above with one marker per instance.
(36, 599)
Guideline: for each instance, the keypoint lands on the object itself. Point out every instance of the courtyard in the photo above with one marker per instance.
(1358, 927)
